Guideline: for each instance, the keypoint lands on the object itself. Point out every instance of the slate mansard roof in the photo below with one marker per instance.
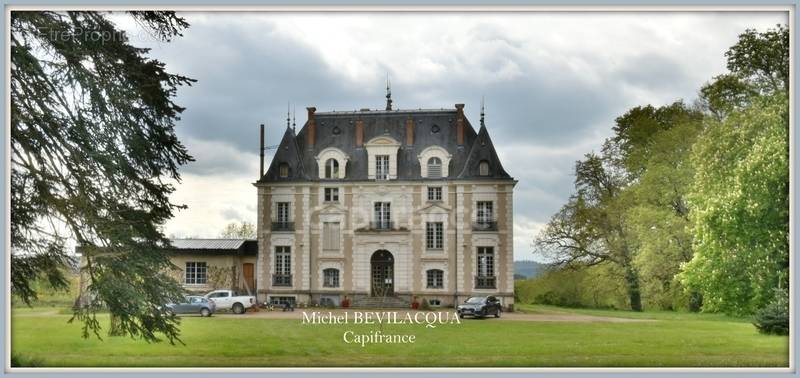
(431, 128)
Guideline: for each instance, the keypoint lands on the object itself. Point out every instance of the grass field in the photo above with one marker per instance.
(41, 336)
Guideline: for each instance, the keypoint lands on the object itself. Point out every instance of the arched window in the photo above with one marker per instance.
(483, 168)
(331, 169)
(283, 170)
(434, 167)
(330, 277)
(435, 279)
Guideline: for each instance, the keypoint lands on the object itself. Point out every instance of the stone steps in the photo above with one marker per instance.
(380, 302)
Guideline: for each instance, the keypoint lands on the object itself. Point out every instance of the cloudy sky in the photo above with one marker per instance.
(553, 83)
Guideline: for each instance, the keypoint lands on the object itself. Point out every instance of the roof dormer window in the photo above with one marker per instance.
(331, 163)
(283, 170)
(483, 168)
(331, 169)
(434, 167)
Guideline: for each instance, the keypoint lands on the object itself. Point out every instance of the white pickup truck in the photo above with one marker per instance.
(228, 300)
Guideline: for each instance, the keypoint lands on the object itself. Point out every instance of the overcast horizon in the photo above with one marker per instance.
(553, 84)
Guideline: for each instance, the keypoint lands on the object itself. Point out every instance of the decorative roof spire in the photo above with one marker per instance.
(294, 117)
(288, 108)
(388, 94)
(482, 111)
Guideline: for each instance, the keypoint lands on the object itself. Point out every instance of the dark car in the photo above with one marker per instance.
(480, 307)
(193, 304)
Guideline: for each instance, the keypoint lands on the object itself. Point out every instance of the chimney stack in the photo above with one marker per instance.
(460, 123)
(409, 131)
(311, 133)
(261, 152)
(359, 132)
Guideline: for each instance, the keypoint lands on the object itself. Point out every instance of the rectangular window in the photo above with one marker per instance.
(331, 194)
(435, 279)
(283, 266)
(196, 273)
(435, 193)
(282, 214)
(485, 262)
(434, 235)
(330, 236)
(382, 167)
(330, 277)
(383, 216)
(484, 214)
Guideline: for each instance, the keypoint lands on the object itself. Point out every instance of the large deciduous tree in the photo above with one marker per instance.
(740, 191)
(591, 228)
(94, 157)
(740, 202)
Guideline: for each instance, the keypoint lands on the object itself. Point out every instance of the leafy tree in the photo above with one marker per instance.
(740, 201)
(94, 156)
(591, 228)
(654, 145)
(740, 191)
(243, 230)
(758, 65)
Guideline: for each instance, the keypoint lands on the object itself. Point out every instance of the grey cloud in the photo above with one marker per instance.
(247, 71)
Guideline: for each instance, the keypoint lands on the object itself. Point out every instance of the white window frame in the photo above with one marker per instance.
(434, 235)
(330, 194)
(484, 211)
(193, 275)
(382, 214)
(283, 212)
(435, 194)
(382, 167)
(485, 262)
(330, 278)
(434, 279)
(332, 169)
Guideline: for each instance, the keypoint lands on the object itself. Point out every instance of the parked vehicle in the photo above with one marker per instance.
(480, 307)
(193, 304)
(229, 300)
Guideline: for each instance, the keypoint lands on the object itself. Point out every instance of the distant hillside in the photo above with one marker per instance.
(527, 269)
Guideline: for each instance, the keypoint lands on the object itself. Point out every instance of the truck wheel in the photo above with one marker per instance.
(205, 313)
(238, 308)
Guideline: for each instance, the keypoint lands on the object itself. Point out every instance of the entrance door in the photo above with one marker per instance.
(382, 274)
(249, 276)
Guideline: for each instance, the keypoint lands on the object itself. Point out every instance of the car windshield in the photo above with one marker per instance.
(475, 300)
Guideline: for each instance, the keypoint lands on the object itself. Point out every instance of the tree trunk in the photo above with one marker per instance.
(115, 329)
(632, 284)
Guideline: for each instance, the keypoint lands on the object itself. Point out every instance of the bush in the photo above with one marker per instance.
(595, 287)
(774, 317)
(424, 305)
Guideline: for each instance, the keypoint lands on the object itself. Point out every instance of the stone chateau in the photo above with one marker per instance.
(382, 206)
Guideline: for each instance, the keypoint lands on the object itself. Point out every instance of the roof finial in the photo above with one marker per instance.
(388, 94)
(288, 108)
(482, 111)
(294, 117)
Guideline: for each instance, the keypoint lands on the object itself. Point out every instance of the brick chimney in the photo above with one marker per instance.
(409, 131)
(311, 133)
(460, 124)
(359, 132)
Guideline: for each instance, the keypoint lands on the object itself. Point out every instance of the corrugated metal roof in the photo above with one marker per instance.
(232, 244)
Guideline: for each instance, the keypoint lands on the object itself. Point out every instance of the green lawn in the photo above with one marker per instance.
(43, 336)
